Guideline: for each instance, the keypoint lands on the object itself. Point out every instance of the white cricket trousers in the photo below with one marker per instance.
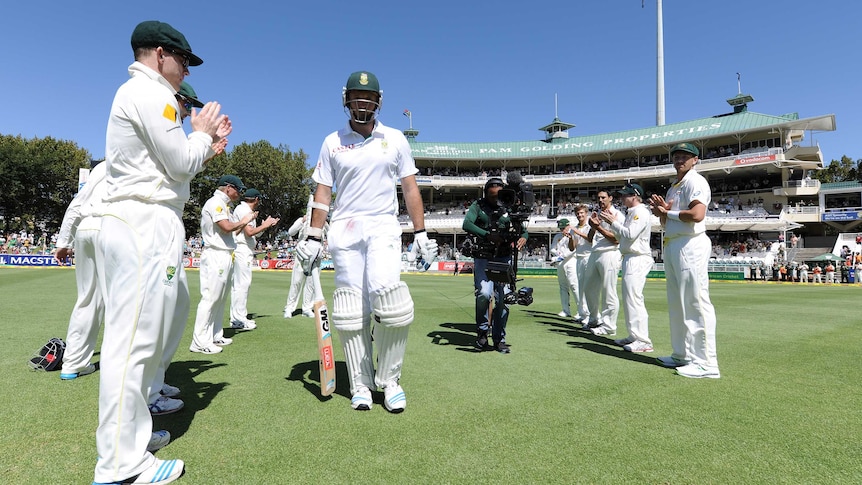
(635, 270)
(602, 272)
(581, 265)
(567, 277)
(243, 257)
(215, 274)
(299, 283)
(366, 252)
(690, 311)
(142, 265)
(89, 310)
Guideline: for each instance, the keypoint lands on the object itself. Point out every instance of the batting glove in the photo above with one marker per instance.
(427, 247)
(308, 251)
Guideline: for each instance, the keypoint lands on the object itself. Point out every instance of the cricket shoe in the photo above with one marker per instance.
(503, 348)
(698, 371)
(637, 346)
(394, 399)
(165, 405)
(308, 313)
(563, 314)
(68, 376)
(205, 350)
(162, 471)
(671, 361)
(288, 314)
(361, 400)
(221, 342)
(603, 331)
(169, 390)
(622, 342)
(586, 325)
(242, 326)
(158, 440)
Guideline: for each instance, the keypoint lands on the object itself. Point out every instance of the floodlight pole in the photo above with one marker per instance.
(659, 101)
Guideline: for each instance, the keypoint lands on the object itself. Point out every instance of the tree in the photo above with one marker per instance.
(40, 179)
(281, 176)
(844, 170)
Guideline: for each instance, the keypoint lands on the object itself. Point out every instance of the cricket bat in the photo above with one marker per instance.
(324, 345)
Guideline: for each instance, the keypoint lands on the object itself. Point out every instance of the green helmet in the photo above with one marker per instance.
(362, 81)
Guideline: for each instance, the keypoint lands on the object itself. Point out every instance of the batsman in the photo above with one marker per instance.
(364, 161)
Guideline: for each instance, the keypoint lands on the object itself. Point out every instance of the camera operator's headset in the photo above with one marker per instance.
(492, 182)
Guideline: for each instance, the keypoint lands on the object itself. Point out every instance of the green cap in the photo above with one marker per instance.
(362, 81)
(632, 189)
(562, 223)
(231, 180)
(188, 92)
(685, 147)
(152, 33)
(252, 194)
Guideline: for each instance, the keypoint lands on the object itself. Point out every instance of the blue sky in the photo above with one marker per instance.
(468, 71)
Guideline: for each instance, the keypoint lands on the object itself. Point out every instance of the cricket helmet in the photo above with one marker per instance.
(362, 110)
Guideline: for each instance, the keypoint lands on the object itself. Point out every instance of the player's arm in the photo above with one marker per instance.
(413, 201)
(696, 212)
(254, 231)
(227, 225)
(320, 208)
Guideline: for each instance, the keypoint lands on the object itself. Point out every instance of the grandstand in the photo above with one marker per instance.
(757, 164)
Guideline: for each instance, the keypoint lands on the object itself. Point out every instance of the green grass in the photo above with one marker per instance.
(563, 407)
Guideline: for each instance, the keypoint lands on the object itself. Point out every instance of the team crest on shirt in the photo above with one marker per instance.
(219, 209)
(384, 144)
(637, 217)
(170, 272)
(170, 113)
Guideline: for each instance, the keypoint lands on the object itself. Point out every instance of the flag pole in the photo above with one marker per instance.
(659, 101)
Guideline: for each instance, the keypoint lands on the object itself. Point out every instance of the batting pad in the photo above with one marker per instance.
(393, 306)
(347, 309)
(391, 345)
(357, 352)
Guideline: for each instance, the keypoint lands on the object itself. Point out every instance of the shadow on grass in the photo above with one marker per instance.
(462, 336)
(596, 343)
(606, 346)
(196, 395)
(308, 373)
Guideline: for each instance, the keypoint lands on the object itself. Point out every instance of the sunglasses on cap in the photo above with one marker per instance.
(241, 191)
(185, 102)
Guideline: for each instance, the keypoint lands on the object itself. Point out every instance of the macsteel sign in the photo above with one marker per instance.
(27, 260)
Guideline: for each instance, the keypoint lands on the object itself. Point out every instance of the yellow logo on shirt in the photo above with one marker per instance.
(170, 113)
(636, 217)
(219, 209)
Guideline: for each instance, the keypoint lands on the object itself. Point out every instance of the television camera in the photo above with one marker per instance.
(515, 202)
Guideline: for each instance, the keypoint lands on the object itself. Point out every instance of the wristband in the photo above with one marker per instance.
(418, 231)
(315, 232)
(318, 205)
(673, 215)
(313, 238)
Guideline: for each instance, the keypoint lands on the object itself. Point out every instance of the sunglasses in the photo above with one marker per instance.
(185, 102)
(241, 191)
(186, 59)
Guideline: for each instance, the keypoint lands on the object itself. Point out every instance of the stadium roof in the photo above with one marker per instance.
(730, 125)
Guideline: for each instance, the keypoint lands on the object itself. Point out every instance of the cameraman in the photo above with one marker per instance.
(489, 222)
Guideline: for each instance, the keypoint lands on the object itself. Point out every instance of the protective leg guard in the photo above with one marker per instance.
(354, 331)
(393, 309)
